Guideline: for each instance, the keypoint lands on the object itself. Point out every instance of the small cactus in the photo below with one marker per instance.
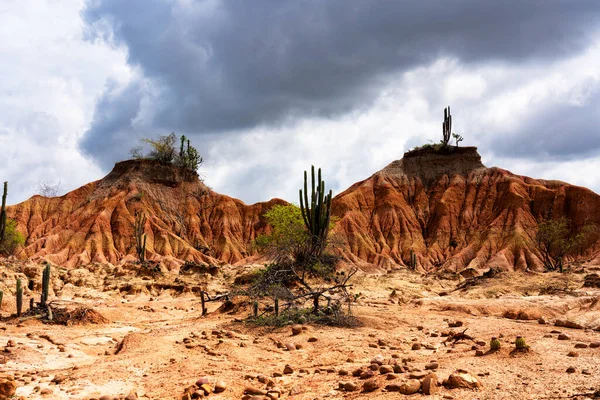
(19, 298)
(520, 343)
(494, 344)
(45, 285)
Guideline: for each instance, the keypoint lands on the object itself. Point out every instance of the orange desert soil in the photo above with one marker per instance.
(156, 343)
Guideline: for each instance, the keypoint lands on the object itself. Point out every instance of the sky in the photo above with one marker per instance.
(265, 89)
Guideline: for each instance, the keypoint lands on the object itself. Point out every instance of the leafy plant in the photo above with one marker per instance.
(12, 238)
(557, 238)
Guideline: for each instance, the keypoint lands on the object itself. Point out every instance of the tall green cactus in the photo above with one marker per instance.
(317, 213)
(140, 236)
(19, 298)
(45, 285)
(413, 260)
(447, 126)
(3, 212)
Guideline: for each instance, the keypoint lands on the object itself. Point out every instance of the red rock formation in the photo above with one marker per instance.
(186, 220)
(425, 202)
(429, 200)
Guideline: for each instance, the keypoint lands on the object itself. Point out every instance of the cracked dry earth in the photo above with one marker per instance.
(156, 346)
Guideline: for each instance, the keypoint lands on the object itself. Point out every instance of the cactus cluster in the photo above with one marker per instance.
(19, 298)
(494, 344)
(3, 212)
(317, 212)
(140, 236)
(45, 285)
(447, 126)
(520, 343)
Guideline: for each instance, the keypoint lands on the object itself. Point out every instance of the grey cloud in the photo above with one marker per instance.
(222, 66)
(556, 131)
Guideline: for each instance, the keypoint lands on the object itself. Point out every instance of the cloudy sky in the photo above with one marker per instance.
(266, 88)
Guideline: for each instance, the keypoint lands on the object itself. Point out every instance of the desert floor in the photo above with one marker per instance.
(153, 344)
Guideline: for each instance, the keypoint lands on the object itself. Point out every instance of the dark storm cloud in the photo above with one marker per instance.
(230, 65)
(557, 131)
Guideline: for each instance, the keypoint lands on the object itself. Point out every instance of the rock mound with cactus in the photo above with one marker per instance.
(184, 220)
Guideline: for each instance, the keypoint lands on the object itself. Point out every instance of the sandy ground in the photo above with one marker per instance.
(154, 346)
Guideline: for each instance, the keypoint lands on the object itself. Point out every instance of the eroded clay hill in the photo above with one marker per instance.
(451, 210)
(455, 213)
(186, 220)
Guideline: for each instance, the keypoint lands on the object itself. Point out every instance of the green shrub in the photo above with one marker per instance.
(12, 239)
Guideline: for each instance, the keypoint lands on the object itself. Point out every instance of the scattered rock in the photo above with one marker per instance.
(385, 369)
(409, 387)
(563, 336)
(377, 360)
(220, 386)
(461, 379)
(8, 387)
(296, 329)
(350, 387)
(581, 346)
(254, 391)
(367, 374)
(370, 386)
(573, 354)
(416, 346)
(288, 370)
(594, 345)
(432, 366)
(571, 370)
(429, 385)
(312, 339)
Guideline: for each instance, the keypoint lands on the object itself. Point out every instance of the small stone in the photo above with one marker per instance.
(571, 370)
(542, 321)
(586, 372)
(370, 386)
(290, 346)
(594, 345)
(350, 387)
(343, 372)
(296, 329)
(288, 370)
(563, 336)
(432, 366)
(461, 379)
(312, 339)
(367, 374)
(581, 346)
(479, 353)
(202, 381)
(385, 369)
(391, 377)
(254, 391)
(220, 386)
(374, 367)
(416, 346)
(418, 374)
(573, 354)
(429, 385)
(409, 387)
(377, 360)
(8, 386)
(357, 372)
(480, 343)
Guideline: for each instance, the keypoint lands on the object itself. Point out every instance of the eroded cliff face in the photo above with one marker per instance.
(454, 213)
(186, 220)
(448, 208)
